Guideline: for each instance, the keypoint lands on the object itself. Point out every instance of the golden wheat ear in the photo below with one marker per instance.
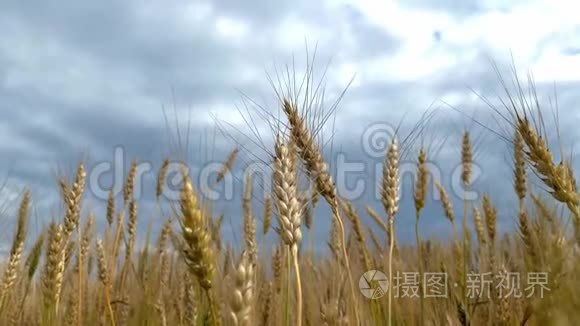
(317, 170)
(161, 177)
(11, 272)
(249, 221)
(559, 178)
(227, 166)
(242, 299)
(198, 247)
(267, 215)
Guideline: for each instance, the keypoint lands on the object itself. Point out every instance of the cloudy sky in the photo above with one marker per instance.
(82, 80)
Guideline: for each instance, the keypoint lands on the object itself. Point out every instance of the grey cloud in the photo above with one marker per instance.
(262, 12)
(144, 58)
(389, 102)
(459, 8)
(571, 51)
(371, 40)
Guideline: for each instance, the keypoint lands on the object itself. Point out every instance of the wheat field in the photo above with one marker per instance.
(185, 274)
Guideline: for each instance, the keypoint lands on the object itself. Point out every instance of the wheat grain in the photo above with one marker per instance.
(198, 253)
(10, 274)
(421, 183)
(110, 207)
(519, 167)
(559, 178)
(316, 168)
(249, 221)
(161, 178)
(466, 159)
(52, 276)
(267, 215)
(490, 213)
(479, 228)
(129, 185)
(227, 166)
(446, 202)
(286, 201)
(73, 202)
(242, 298)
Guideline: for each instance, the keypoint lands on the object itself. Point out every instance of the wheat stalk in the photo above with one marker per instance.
(249, 221)
(419, 195)
(11, 272)
(198, 251)
(390, 198)
(72, 201)
(52, 276)
(105, 278)
(466, 173)
(288, 207)
(317, 170)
